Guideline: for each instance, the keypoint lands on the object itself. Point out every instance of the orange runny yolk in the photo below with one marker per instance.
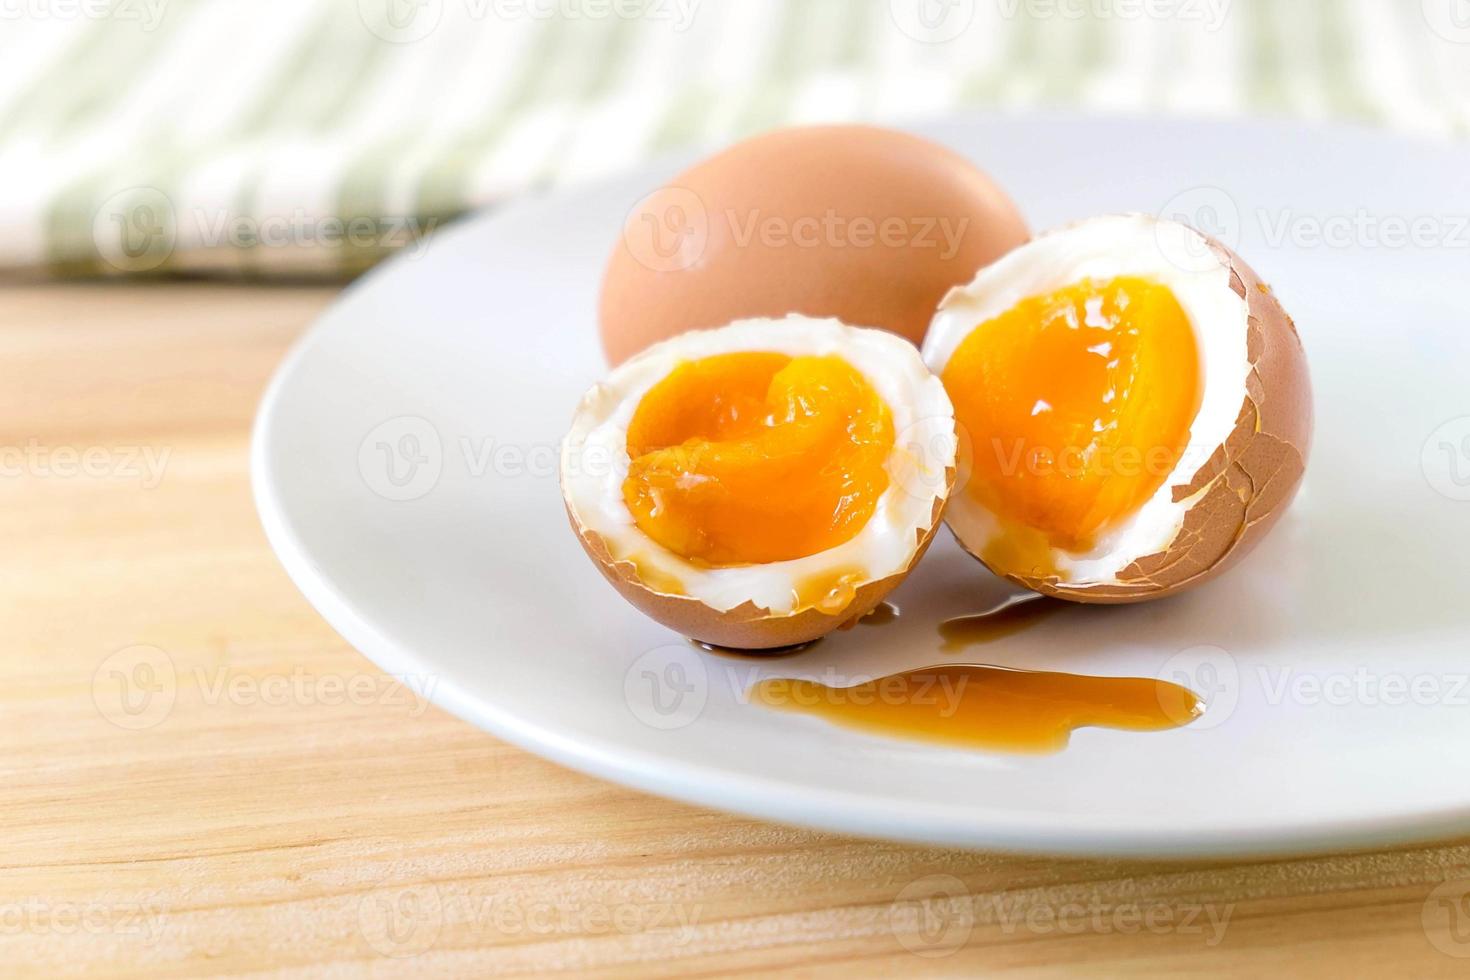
(1077, 405)
(757, 457)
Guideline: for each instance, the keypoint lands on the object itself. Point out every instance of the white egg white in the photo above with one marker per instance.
(1100, 249)
(595, 459)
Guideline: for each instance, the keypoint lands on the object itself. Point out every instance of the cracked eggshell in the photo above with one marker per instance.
(1203, 519)
(747, 626)
(753, 607)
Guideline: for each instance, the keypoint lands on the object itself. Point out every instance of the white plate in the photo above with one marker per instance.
(404, 471)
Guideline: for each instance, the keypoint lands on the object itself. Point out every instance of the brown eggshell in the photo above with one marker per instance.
(746, 233)
(1249, 480)
(747, 627)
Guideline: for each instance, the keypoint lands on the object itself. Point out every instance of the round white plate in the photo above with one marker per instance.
(404, 468)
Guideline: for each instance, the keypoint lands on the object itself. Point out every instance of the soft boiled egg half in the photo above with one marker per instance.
(761, 484)
(1133, 409)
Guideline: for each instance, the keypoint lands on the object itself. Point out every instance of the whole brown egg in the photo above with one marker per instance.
(867, 225)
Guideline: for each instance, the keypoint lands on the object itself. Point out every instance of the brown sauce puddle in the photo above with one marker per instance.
(1004, 620)
(980, 706)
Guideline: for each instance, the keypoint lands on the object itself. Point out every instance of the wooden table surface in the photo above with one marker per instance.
(201, 777)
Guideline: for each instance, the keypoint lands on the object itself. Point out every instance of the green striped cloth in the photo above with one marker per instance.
(309, 138)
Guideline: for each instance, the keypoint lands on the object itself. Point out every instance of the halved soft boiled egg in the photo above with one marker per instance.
(1133, 409)
(761, 484)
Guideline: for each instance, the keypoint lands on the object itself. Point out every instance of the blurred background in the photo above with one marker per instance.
(307, 139)
(201, 777)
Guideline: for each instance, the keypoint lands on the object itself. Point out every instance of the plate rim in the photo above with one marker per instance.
(861, 815)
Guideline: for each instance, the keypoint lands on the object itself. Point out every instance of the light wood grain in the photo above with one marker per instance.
(293, 811)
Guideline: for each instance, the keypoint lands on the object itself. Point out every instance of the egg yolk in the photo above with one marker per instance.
(1078, 405)
(757, 457)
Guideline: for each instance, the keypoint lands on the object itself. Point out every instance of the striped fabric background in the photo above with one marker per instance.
(307, 138)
